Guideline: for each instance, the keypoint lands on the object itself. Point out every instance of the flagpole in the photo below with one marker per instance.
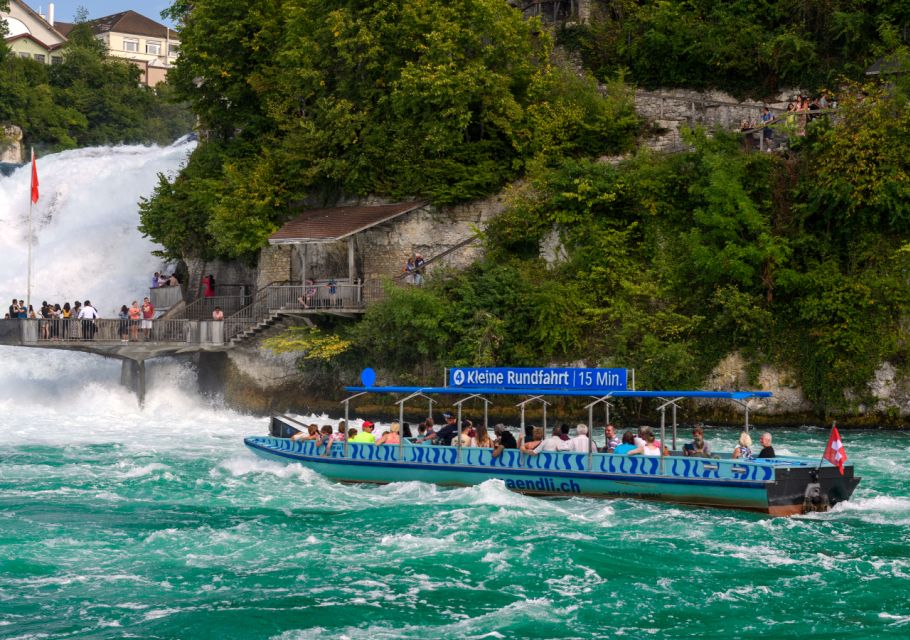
(31, 206)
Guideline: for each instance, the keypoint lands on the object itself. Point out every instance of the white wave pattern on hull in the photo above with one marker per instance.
(87, 245)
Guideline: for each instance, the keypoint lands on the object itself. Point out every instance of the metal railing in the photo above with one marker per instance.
(202, 308)
(102, 330)
(286, 296)
(106, 330)
(322, 294)
(249, 316)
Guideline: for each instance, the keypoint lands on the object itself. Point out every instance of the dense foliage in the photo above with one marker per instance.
(314, 99)
(673, 261)
(668, 262)
(89, 99)
(743, 46)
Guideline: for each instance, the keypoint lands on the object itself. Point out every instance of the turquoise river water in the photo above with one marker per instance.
(116, 522)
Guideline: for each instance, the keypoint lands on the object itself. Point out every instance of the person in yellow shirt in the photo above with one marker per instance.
(366, 434)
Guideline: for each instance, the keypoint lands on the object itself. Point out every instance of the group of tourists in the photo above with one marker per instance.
(533, 442)
(161, 279)
(413, 269)
(58, 322)
(136, 321)
(793, 121)
(313, 298)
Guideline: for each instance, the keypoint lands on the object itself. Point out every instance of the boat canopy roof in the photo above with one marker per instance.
(719, 395)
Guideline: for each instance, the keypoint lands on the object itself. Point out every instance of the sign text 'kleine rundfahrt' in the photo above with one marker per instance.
(539, 378)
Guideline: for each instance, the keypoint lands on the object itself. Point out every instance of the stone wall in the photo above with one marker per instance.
(226, 273)
(11, 144)
(669, 110)
(381, 251)
(275, 264)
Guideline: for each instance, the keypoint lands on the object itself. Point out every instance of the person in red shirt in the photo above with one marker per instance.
(148, 314)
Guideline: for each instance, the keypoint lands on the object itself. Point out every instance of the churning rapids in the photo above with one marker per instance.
(158, 523)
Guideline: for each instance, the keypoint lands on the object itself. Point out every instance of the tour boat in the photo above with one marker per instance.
(780, 486)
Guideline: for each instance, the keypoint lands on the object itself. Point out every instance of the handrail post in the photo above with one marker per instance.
(663, 441)
(346, 423)
(400, 432)
(674, 426)
(591, 436)
(458, 455)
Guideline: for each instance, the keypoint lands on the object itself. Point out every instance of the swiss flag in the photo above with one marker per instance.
(34, 179)
(835, 452)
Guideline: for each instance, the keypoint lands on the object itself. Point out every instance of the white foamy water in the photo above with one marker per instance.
(87, 246)
(85, 225)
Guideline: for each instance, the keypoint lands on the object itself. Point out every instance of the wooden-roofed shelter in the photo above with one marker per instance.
(334, 225)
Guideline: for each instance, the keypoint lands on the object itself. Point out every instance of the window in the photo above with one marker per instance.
(174, 50)
(153, 47)
(56, 59)
(40, 57)
(131, 44)
(23, 54)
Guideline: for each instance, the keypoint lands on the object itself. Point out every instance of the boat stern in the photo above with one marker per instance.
(797, 490)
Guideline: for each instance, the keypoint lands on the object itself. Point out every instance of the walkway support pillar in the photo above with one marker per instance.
(132, 376)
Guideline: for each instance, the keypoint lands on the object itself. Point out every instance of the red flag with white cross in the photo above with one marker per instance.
(835, 452)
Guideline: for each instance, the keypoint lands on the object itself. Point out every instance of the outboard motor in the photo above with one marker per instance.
(814, 500)
(278, 428)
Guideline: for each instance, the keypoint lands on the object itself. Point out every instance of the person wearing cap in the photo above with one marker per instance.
(445, 435)
(504, 439)
(366, 434)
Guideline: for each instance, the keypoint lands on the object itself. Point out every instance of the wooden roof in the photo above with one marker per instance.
(337, 223)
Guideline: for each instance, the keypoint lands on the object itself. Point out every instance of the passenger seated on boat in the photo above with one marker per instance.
(366, 435)
(351, 433)
(325, 435)
(640, 440)
(504, 439)
(339, 435)
(651, 446)
(467, 434)
(698, 448)
(406, 430)
(744, 448)
(767, 451)
(311, 434)
(611, 439)
(445, 435)
(553, 443)
(482, 437)
(627, 446)
(391, 436)
(581, 443)
(536, 438)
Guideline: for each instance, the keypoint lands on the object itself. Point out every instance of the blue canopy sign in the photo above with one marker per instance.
(539, 378)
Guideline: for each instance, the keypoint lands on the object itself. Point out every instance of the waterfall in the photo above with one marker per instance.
(86, 242)
(86, 246)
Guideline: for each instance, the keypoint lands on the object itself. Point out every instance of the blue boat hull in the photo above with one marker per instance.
(754, 486)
